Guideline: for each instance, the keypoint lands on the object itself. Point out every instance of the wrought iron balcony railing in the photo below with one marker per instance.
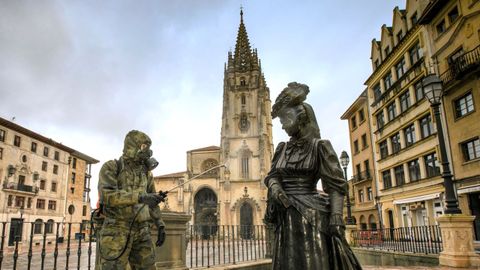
(461, 66)
(365, 175)
(19, 187)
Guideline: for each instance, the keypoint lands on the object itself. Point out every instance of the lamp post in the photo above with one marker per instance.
(432, 86)
(344, 160)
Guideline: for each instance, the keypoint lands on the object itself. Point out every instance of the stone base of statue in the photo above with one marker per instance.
(172, 254)
(457, 237)
(349, 233)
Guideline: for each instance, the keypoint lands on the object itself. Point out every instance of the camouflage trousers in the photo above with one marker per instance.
(139, 254)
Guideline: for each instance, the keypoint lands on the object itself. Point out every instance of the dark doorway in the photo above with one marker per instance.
(391, 224)
(246, 221)
(205, 219)
(474, 204)
(16, 229)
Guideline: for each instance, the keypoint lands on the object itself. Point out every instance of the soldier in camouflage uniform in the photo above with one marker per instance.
(129, 203)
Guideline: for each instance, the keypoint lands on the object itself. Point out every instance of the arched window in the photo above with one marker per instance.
(49, 226)
(245, 167)
(242, 81)
(243, 100)
(372, 223)
(363, 223)
(37, 227)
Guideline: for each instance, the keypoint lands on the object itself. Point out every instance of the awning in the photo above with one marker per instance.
(417, 199)
(468, 189)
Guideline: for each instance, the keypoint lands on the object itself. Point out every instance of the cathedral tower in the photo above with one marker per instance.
(246, 135)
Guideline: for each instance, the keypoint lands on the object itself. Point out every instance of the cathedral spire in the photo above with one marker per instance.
(243, 52)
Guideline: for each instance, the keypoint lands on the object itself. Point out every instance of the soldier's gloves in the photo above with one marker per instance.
(162, 195)
(150, 199)
(161, 236)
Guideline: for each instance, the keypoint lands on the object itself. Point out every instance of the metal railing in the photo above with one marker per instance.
(19, 187)
(461, 65)
(226, 244)
(417, 239)
(362, 176)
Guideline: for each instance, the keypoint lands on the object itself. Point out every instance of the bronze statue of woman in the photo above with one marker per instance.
(309, 227)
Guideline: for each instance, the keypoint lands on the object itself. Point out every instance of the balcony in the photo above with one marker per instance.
(365, 175)
(461, 66)
(19, 187)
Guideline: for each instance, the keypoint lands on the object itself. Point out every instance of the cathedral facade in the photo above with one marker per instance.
(233, 194)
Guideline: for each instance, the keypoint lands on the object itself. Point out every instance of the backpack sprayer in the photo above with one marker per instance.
(97, 213)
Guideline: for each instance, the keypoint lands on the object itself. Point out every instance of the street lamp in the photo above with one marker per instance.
(432, 86)
(344, 160)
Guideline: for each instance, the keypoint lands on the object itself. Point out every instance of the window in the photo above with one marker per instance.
(360, 195)
(405, 101)
(399, 175)
(414, 19)
(464, 105)
(2, 135)
(399, 36)
(454, 56)
(45, 151)
(243, 100)
(387, 179)
(431, 164)
(55, 169)
(73, 177)
(24, 158)
(54, 187)
(377, 63)
(419, 92)
(19, 201)
(441, 27)
(355, 147)
(245, 168)
(367, 168)
(361, 115)
(40, 204)
(44, 166)
(369, 193)
(1, 153)
(56, 155)
(471, 149)
(37, 228)
(396, 146)
(72, 189)
(364, 141)
(74, 163)
(354, 122)
(400, 68)
(29, 203)
(84, 210)
(426, 127)
(21, 180)
(10, 200)
(52, 205)
(49, 226)
(415, 53)
(242, 81)
(387, 51)
(34, 147)
(392, 111)
(377, 92)
(388, 80)
(380, 120)
(17, 140)
(453, 15)
(359, 171)
(42, 184)
(409, 133)
(383, 149)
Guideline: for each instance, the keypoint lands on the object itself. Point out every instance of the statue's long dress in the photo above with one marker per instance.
(302, 240)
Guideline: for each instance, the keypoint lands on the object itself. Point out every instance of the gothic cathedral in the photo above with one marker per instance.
(235, 194)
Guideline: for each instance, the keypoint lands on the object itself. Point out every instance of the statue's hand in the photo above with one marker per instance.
(337, 230)
(150, 199)
(280, 196)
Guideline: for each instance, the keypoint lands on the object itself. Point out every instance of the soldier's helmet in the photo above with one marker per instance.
(133, 143)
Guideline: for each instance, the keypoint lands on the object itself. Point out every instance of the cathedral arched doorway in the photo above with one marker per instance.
(246, 221)
(205, 218)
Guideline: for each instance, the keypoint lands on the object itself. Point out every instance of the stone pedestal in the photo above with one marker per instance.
(172, 254)
(457, 237)
(349, 233)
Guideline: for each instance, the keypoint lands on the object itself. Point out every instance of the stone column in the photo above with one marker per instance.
(173, 253)
(349, 233)
(457, 237)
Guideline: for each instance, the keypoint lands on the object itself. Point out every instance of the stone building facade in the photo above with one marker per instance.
(362, 185)
(34, 172)
(235, 194)
(455, 42)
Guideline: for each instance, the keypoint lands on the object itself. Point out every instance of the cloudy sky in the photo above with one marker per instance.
(84, 73)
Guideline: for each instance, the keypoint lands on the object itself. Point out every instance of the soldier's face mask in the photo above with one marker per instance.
(145, 154)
